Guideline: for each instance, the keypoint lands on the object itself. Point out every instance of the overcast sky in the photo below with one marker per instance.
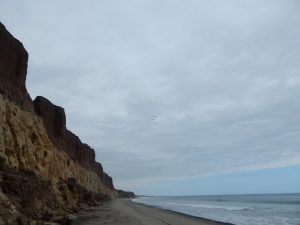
(171, 93)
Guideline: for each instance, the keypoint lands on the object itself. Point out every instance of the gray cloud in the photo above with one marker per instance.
(168, 90)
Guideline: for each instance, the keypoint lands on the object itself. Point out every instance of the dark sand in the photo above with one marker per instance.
(125, 212)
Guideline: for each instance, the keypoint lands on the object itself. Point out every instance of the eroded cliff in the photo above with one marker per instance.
(45, 170)
(54, 119)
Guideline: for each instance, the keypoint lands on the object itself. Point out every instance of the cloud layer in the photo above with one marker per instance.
(169, 90)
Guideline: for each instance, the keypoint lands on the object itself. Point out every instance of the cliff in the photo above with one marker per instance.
(13, 69)
(45, 170)
(54, 119)
(125, 194)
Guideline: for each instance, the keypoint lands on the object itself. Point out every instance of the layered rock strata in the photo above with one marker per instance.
(13, 69)
(55, 123)
(45, 170)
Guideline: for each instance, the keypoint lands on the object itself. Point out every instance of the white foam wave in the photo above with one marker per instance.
(209, 206)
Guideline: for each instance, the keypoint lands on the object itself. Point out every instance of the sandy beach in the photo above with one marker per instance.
(125, 212)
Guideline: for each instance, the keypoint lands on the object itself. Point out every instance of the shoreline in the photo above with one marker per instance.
(126, 212)
(181, 214)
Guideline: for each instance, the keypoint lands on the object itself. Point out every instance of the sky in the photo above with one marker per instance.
(176, 97)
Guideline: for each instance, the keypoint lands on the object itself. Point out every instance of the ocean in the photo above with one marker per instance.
(260, 209)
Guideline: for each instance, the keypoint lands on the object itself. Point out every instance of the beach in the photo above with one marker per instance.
(125, 212)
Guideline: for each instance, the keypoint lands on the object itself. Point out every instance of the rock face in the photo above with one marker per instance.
(25, 145)
(53, 116)
(125, 194)
(13, 69)
(55, 123)
(38, 154)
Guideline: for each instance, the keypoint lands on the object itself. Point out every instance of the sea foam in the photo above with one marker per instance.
(267, 209)
(210, 206)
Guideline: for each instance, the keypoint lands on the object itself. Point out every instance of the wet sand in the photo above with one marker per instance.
(125, 212)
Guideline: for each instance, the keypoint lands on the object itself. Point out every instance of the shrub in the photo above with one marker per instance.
(99, 197)
(72, 183)
(2, 162)
(27, 173)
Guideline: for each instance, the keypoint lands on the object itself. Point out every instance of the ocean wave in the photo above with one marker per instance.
(208, 206)
(139, 200)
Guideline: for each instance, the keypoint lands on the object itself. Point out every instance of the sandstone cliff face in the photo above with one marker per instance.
(13, 69)
(24, 145)
(38, 153)
(55, 123)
